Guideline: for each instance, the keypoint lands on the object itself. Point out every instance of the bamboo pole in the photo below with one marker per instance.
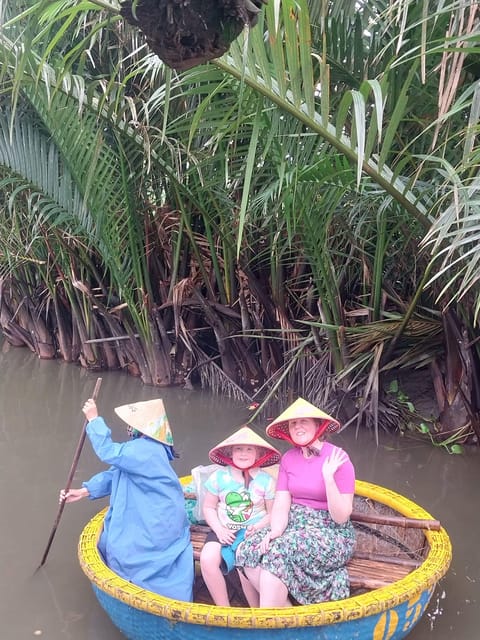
(68, 484)
(377, 557)
(395, 521)
(379, 518)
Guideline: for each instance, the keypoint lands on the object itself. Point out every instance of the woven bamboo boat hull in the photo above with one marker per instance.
(386, 613)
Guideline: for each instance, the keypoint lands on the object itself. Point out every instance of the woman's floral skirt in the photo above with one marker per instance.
(309, 557)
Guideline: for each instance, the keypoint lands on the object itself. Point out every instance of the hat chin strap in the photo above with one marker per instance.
(258, 462)
(320, 431)
(246, 470)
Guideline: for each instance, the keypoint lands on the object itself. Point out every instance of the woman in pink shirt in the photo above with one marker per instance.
(303, 555)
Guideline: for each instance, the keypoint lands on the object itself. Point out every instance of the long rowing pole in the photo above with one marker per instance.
(68, 484)
(378, 518)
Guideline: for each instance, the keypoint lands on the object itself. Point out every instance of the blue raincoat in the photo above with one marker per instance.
(146, 534)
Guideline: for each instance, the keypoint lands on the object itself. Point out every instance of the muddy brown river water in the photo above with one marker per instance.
(40, 424)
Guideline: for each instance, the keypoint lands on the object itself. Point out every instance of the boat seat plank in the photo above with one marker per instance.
(366, 573)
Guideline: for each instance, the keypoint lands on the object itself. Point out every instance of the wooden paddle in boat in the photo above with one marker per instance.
(68, 484)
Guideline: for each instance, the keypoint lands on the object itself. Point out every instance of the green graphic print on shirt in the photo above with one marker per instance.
(239, 506)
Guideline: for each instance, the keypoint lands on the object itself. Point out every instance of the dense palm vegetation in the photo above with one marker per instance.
(299, 216)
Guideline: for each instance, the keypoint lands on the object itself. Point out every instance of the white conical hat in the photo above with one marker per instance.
(301, 409)
(148, 417)
(222, 453)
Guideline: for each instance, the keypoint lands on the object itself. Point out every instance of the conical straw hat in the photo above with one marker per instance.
(222, 453)
(148, 417)
(301, 409)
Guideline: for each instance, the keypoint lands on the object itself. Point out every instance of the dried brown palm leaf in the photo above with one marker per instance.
(463, 23)
(213, 378)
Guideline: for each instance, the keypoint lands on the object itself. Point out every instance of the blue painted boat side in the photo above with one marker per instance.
(393, 624)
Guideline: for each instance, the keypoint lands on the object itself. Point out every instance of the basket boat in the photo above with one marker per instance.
(401, 554)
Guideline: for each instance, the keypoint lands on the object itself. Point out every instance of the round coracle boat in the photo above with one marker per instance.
(401, 554)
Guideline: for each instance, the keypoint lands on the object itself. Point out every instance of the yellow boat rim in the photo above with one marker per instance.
(422, 579)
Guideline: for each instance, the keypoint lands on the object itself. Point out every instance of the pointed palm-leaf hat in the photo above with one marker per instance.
(222, 452)
(301, 409)
(149, 417)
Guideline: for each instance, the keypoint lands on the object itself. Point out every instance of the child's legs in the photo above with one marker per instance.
(210, 559)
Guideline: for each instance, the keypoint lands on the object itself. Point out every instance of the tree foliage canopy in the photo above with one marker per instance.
(300, 213)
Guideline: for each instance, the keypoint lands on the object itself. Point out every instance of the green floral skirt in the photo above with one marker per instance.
(309, 557)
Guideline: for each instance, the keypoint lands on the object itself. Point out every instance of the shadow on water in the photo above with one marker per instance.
(40, 424)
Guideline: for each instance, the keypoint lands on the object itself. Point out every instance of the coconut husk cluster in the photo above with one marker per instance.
(186, 33)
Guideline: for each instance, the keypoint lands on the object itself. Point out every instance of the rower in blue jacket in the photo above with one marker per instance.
(146, 534)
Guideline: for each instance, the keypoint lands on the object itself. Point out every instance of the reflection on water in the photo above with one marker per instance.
(40, 425)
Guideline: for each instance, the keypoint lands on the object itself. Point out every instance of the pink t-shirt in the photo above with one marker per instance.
(302, 477)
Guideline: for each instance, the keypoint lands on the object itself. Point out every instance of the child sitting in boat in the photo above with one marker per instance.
(146, 533)
(237, 503)
(310, 540)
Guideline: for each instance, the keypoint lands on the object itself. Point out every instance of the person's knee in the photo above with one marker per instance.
(252, 574)
(251, 571)
(210, 555)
